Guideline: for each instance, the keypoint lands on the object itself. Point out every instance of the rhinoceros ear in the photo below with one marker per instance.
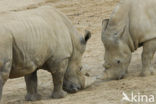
(87, 35)
(105, 23)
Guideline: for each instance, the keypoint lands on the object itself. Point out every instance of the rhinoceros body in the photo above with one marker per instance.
(132, 25)
(36, 36)
(41, 37)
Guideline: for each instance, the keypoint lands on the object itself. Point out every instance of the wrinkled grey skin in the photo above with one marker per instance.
(129, 27)
(41, 38)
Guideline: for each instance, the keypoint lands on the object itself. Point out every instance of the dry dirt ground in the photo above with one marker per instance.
(85, 14)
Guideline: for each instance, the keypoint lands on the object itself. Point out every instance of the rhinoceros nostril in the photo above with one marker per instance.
(120, 77)
(78, 87)
(73, 89)
(71, 86)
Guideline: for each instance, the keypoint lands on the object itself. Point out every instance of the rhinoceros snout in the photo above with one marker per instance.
(121, 77)
(72, 88)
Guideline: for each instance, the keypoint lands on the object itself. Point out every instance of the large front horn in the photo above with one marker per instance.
(88, 81)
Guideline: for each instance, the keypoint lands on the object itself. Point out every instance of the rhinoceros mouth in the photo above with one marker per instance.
(71, 88)
(120, 77)
(74, 90)
(107, 76)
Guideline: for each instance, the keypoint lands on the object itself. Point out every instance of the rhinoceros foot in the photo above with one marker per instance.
(32, 97)
(147, 73)
(59, 94)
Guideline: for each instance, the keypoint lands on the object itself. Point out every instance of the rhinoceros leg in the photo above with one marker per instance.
(147, 56)
(4, 74)
(58, 71)
(31, 86)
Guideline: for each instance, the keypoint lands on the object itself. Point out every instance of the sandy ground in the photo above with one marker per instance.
(85, 14)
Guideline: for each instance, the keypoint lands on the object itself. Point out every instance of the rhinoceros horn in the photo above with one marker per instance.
(88, 81)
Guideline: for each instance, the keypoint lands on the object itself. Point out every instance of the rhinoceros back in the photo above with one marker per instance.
(38, 35)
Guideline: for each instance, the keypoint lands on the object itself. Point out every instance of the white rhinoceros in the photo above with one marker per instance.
(44, 38)
(132, 25)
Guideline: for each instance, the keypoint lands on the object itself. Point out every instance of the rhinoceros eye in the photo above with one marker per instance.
(80, 68)
(118, 62)
(116, 33)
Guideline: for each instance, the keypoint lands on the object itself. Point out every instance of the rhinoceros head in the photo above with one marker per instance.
(74, 79)
(117, 52)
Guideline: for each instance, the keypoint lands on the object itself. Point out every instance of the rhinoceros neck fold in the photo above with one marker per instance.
(131, 42)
